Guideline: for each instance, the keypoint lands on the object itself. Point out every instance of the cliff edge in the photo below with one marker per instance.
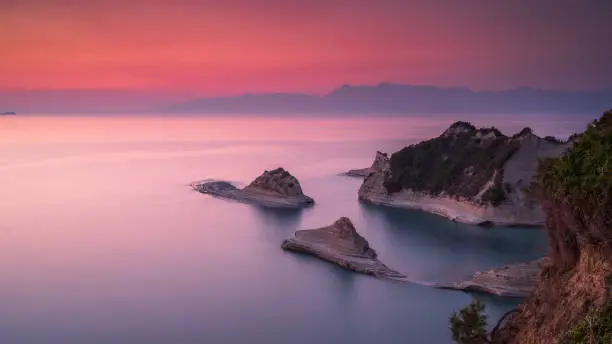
(571, 302)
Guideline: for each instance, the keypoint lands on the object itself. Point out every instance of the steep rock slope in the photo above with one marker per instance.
(380, 161)
(574, 288)
(469, 175)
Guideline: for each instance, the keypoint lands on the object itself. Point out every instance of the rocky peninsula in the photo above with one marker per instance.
(514, 280)
(340, 244)
(275, 189)
(469, 175)
(379, 163)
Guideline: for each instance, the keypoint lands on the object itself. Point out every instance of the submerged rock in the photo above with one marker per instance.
(379, 163)
(276, 188)
(469, 175)
(340, 244)
(514, 280)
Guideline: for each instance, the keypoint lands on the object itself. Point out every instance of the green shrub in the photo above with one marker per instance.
(469, 325)
(582, 178)
(593, 329)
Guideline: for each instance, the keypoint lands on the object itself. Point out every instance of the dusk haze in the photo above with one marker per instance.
(298, 172)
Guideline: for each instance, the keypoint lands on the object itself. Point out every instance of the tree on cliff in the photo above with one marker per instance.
(468, 326)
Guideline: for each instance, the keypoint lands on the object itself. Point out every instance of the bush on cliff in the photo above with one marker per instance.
(593, 329)
(580, 182)
(468, 326)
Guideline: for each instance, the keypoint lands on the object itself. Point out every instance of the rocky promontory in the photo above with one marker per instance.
(514, 280)
(470, 175)
(379, 163)
(340, 244)
(276, 188)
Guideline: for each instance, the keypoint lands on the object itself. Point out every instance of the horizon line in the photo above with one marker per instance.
(344, 85)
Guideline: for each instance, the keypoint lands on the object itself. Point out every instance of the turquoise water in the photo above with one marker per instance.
(103, 242)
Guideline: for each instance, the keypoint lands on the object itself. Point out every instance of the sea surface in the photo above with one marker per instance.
(103, 242)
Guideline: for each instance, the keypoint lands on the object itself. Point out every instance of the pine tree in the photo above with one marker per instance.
(468, 326)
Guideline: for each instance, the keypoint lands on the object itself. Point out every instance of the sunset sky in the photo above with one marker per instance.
(233, 46)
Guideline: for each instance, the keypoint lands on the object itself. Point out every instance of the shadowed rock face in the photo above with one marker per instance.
(340, 244)
(276, 188)
(277, 181)
(466, 174)
(380, 161)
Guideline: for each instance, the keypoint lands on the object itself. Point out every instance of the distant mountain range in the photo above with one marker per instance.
(389, 98)
(382, 99)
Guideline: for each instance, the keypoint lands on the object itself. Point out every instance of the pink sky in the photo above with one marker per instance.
(235, 46)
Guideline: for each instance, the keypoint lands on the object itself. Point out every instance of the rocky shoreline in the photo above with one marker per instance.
(514, 280)
(274, 189)
(340, 244)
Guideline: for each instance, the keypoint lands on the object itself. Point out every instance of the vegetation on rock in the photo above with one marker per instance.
(580, 183)
(593, 329)
(468, 326)
(571, 303)
(459, 163)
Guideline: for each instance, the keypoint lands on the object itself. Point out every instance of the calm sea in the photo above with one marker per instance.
(103, 242)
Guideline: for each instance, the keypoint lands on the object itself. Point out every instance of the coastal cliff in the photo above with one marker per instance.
(477, 176)
(571, 302)
(276, 188)
(339, 243)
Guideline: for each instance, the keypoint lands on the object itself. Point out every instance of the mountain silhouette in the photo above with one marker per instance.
(387, 98)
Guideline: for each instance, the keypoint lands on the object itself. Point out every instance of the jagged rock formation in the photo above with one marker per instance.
(470, 175)
(576, 193)
(276, 188)
(340, 244)
(380, 161)
(514, 280)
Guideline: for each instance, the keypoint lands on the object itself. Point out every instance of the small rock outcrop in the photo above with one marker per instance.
(340, 244)
(380, 161)
(476, 176)
(276, 188)
(514, 280)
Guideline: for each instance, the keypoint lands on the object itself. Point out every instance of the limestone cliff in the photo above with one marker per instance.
(574, 287)
(469, 175)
